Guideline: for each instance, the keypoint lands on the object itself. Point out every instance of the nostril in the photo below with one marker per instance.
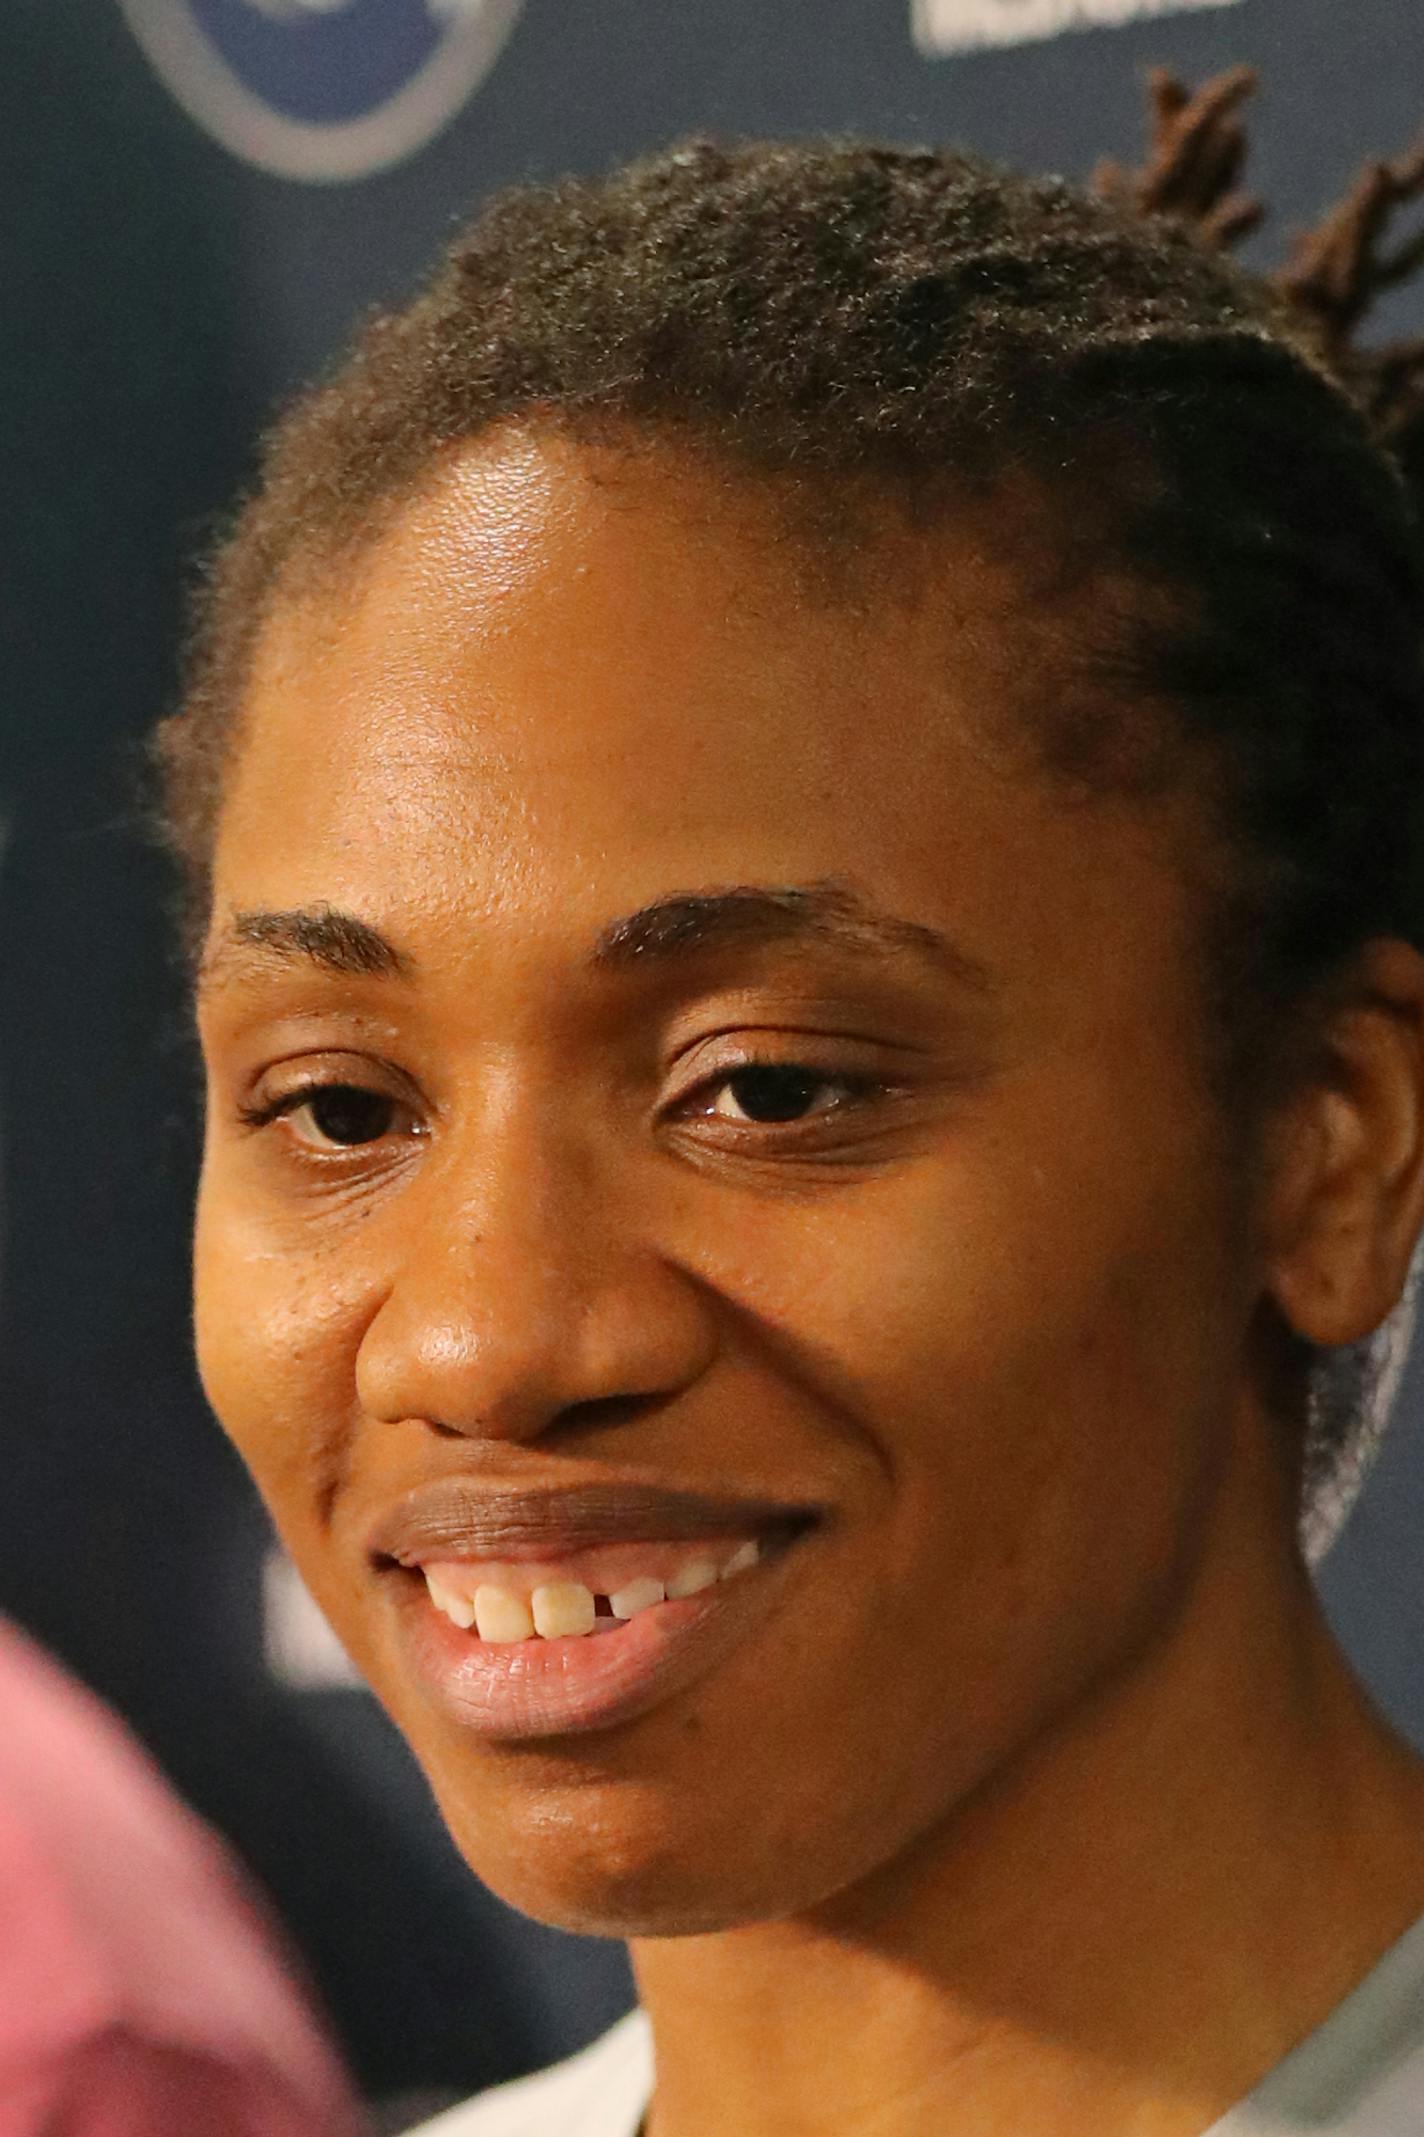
(609, 1410)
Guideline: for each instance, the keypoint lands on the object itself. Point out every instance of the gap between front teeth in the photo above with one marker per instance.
(567, 1609)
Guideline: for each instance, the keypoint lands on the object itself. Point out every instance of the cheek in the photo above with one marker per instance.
(976, 1286)
(277, 1325)
(1037, 1360)
(1031, 1382)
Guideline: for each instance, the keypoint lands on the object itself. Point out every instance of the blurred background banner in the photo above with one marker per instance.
(200, 198)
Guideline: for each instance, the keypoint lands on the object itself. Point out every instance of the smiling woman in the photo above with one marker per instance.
(802, 796)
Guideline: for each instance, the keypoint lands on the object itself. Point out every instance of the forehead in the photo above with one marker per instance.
(572, 679)
(533, 578)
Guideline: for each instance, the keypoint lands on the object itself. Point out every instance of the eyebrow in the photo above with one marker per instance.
(695, 923)
(321, 935)
(675, 929)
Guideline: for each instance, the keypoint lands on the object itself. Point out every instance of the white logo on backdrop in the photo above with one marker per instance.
(322, 90)
(960, 25)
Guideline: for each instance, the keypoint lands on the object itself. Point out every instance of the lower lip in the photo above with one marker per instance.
(521, 1690)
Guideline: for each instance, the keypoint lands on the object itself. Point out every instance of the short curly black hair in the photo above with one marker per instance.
(903, 324)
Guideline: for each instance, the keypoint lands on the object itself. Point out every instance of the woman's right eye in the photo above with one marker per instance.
(331, 1116)
(344, 1114)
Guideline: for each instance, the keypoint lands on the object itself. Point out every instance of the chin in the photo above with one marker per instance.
(585, 1859)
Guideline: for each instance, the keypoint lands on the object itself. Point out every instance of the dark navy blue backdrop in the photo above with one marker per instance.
(327, 66)
(161, 290)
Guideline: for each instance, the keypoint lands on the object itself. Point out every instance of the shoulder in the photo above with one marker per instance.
(601, 2092)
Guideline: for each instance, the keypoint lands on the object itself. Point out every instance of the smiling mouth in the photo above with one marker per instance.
(525, 1617)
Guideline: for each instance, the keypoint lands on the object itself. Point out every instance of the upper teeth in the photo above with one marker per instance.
(565, 1609)
(638, 1595)
(500, 1616)
(459, 1608)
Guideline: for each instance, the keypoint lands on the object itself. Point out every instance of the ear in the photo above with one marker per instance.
(1346, 1192)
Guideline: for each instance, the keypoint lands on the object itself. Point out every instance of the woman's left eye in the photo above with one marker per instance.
(768, 1093)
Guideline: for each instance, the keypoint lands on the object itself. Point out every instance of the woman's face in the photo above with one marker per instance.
(659, 1046)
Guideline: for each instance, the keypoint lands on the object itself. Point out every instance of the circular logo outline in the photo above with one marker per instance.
(203, 83)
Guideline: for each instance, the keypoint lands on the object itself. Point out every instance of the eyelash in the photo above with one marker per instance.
(860, 1090)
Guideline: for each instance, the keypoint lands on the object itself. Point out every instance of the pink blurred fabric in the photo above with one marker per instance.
(141, 1992)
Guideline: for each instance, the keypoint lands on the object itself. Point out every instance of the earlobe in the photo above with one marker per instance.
(1347, 1191)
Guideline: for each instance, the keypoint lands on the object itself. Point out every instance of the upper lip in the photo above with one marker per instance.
(461, 1518)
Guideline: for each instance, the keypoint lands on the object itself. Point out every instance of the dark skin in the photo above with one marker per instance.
(1039, 1796)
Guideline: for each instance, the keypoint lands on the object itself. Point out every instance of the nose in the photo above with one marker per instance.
(523, 1291)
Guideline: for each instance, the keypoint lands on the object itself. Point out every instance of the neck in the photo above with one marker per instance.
(1116, 1937)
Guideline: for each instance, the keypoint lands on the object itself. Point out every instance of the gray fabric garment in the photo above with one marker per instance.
(1360, 2074)
(603, 2092)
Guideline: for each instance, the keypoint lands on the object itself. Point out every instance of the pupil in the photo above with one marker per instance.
(347, 1115)
(771, 1093)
